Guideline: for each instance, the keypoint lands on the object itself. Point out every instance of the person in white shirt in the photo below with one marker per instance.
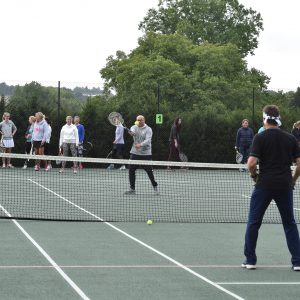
(68, 141)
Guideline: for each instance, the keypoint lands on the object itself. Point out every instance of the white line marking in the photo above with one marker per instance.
(258, 283)
(51, 261)
(135, 266)
(145, 245)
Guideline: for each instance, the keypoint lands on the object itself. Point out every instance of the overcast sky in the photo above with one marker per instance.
(69, 40)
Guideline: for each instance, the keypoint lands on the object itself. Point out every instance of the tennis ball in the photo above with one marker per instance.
(136, 123)
(149, 222)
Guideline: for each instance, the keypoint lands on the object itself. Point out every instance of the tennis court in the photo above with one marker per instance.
(132, 260)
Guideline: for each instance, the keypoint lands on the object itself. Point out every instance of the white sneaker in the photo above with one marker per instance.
(296, 268)
(122, 168)
(3, 166)
(10, 166)
(61, 170)
(75, 170)
(25, 167)
(248, 266)
(47, 168)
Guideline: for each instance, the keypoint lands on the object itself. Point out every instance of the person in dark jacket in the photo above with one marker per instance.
(296, 131)
(244, 139)
(174, 144)
(275, 151)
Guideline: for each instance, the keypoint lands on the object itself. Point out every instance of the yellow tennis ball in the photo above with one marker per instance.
(149, 222)
(136, 123)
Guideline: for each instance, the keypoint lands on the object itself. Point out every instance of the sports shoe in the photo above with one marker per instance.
(47, 168)
(61, 170)
(25, 166)
(3, 166)
(122, 168)
(110, 167)
(130, 192)
(75, 170)
(248, 266)
(296, 268)
(10, 166)
(156, 190)
(37, 168)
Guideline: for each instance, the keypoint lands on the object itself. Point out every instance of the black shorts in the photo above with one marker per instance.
(46, 149)
(27, 147)
(37, 144)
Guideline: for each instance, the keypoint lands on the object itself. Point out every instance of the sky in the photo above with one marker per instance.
(70, 40)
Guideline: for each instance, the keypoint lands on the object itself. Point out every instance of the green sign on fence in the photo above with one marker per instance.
(159, 119)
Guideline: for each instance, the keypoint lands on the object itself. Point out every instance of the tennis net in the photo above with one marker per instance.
(189, 192)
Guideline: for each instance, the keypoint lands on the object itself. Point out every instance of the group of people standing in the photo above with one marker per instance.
(245, 135)
(274, 151)
(37, 139)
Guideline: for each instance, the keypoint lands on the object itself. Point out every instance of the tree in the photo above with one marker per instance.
(295, 101)
(188, 74)
(213, 21)
(2, 105)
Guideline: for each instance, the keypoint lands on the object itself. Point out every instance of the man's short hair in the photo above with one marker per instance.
(272, 111)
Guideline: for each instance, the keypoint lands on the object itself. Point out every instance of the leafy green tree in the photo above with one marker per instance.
(213, 21)
(188, 74)
(2, 105)
(295, 101)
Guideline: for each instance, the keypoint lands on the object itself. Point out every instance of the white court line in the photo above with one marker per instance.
(45, 254)
(136, 266)
(145, 245)
(258, 283)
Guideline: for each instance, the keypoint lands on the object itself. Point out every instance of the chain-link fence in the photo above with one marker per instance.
(207, 134)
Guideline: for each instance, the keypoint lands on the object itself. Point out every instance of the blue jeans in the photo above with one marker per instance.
(260, 200)
(245, 150)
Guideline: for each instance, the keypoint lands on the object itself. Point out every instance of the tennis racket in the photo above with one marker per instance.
(87, 147)
(2, 147)
(109, 154)
(183, 157)
(238, 157)
(116, 119)
(31, 152)
(58, 162)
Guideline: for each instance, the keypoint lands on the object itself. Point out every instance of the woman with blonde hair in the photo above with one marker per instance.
(39, 136)
(68, 142)
(296, 131)
(28, 137)
(7, 131)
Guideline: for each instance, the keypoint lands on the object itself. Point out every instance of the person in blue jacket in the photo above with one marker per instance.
(244, 139)
(81, 132)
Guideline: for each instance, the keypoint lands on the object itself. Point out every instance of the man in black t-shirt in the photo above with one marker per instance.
(275, 150)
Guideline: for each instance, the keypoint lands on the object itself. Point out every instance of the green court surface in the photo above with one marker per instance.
(138, 261)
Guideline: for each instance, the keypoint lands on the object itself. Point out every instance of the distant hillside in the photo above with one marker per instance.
(6, 90)
(80, 93)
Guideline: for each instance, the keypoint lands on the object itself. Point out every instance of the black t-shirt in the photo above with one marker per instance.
(276, 150)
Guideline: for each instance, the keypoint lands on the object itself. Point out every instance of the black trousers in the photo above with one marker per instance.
(133, 168)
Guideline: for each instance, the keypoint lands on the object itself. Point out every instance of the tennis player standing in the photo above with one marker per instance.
(81, 133)
(118, 146)
(141, 150)
(244, 139)
(275, 150)
(174, 141)
(7, 131)
(68, 142)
